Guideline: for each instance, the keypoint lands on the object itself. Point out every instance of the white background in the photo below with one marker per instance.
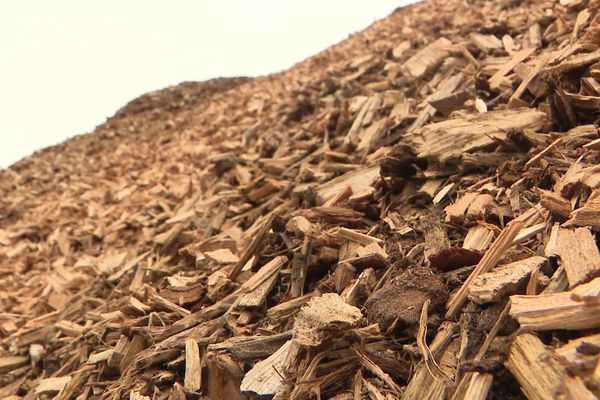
(65, 66)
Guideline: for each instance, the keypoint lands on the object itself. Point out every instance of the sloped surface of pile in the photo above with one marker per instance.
(412, 213)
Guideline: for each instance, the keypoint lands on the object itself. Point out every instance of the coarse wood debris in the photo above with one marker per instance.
(412, 213)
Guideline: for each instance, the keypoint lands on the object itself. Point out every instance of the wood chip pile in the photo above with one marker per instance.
(412, 213)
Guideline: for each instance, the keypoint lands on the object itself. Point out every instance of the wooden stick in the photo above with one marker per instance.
(489, 261)
(252, 248)
(192, 366)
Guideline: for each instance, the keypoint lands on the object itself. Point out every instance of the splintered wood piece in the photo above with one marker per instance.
(10, 363)
(493, 286)
(456, 212)
(574, 352)
(223, 377)
(588, 215)
(331, 214)
(51, 385)
(299, 267)
(574, 388)
(578, 253)
(485, 42)
(372, 135)
(575, 61)
(435, 237)
(520, 56)
(361, 288)
(444, 90)
(349, 234)
(364, 118)
(539, 380)
(533, 73)
(162, 303)
(478, 238)
(572, 310)
(118, 352)
(264, 274)
(100, 356)
(266, 378)
(421, 339)
(184, 294)
(110, 262)
(480, 106)
(441, 195)
(137, 344)
(425, 385)
(542, 153)
(431, 187)
(135, 395)
(198, 317)
(252, 248)
(477, 389)
(427, 58)
(593, 145)
(377, 371)
(323, 318)
(193, 371)
(343, 275)
(582, 19)
(344, 194)
(529, 232)
(400, 112)
(369, 260)
(481, 206)
(372, 391)
(78, 379)
(135, 307)
(289, 307)
(222, 256)
(577, 175)
(400, 48)
(489, 261)
(250, 348)
(535, 35)
(36, 352)
(269, 187)
(558, 282)
(449, 139)
(127, 267)
(257, 296)
(299, 224)
(358, 180)
(555, 203)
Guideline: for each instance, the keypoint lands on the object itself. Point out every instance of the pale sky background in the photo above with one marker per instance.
(67, 65)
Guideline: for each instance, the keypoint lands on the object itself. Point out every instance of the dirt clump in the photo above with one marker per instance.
(399, 303)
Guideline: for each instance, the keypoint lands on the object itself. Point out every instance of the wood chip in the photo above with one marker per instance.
(578, 253)
(193, 371)
(570, 310)
(324, 317)
(507, 279)
(538, 380)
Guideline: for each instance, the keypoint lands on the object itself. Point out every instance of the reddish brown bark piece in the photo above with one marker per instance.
(454, 257)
